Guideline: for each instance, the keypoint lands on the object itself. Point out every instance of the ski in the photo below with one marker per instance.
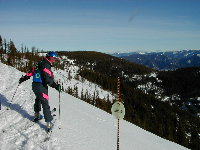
(53, 122)
(49, 131)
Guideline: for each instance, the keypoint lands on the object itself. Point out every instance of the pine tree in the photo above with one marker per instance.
(75, 91)
(94, 98)
(13, 49)
(181, 133)
(1, 48)
(69, 75)
(22, 48)
(33, 49)
(70, 91)
(11, 53)
(1, 44)
(82, 95)
(5, 46)
(195, 140)
(62, 86)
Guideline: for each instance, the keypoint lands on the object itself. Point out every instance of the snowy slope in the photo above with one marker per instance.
(83, 127)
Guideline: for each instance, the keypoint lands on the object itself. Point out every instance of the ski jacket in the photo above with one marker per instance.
(46, 74)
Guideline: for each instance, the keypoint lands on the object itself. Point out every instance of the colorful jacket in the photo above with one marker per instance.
(46, 74)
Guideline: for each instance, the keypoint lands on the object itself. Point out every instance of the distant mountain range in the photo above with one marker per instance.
(164, 60)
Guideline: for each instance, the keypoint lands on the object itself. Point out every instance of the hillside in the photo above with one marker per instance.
(83, 126)
(105, 63)
(143, 93)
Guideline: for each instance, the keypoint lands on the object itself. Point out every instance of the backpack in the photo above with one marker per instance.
(37, 73)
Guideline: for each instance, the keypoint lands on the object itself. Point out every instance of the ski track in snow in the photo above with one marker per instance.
(83, 126)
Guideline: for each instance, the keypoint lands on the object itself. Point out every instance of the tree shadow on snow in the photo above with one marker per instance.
(16, 107)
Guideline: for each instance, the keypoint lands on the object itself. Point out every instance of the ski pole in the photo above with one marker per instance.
(59, 113)
(13, 96)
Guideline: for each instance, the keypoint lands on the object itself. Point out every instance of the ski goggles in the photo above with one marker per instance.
(53, 59)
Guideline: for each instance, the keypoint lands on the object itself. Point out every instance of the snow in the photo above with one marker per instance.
(83, 126)
(70, 78)
(198, 98)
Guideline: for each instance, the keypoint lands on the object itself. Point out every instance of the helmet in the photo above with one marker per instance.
(52, 56)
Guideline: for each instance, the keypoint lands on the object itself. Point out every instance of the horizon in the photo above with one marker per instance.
(108, 26)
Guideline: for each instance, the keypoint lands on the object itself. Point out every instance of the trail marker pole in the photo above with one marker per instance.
(118, 111)
(59, 126)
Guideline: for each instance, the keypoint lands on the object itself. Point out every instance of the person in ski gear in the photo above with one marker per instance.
(42, 78)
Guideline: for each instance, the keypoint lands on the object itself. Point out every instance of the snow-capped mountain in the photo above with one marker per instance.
(83, 126)
(169, 60)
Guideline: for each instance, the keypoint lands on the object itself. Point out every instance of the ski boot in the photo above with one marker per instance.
(49, 126)
(37, 117)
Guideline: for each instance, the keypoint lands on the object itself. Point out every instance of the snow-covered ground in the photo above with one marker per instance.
(83, 126)
(70, 79)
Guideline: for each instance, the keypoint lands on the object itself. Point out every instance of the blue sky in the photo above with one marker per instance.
(102, 25)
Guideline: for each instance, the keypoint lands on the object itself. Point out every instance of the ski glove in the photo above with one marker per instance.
(23, 78)
(58, 88)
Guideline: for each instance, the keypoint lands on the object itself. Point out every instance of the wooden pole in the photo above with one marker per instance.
(118, 96)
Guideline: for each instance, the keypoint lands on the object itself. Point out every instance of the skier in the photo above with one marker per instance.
(43, 76)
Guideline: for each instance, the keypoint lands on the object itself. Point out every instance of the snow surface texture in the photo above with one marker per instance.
(83, 126)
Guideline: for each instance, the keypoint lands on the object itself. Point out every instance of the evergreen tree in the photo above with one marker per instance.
(13, 49)
(5, 46)
(75, 91)
(1, 43)
(94, 98)
(22, 48)
(33, 49)
(82, 95)
(195, 140)
(1, 49)
(69, 75)
(70, 91)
